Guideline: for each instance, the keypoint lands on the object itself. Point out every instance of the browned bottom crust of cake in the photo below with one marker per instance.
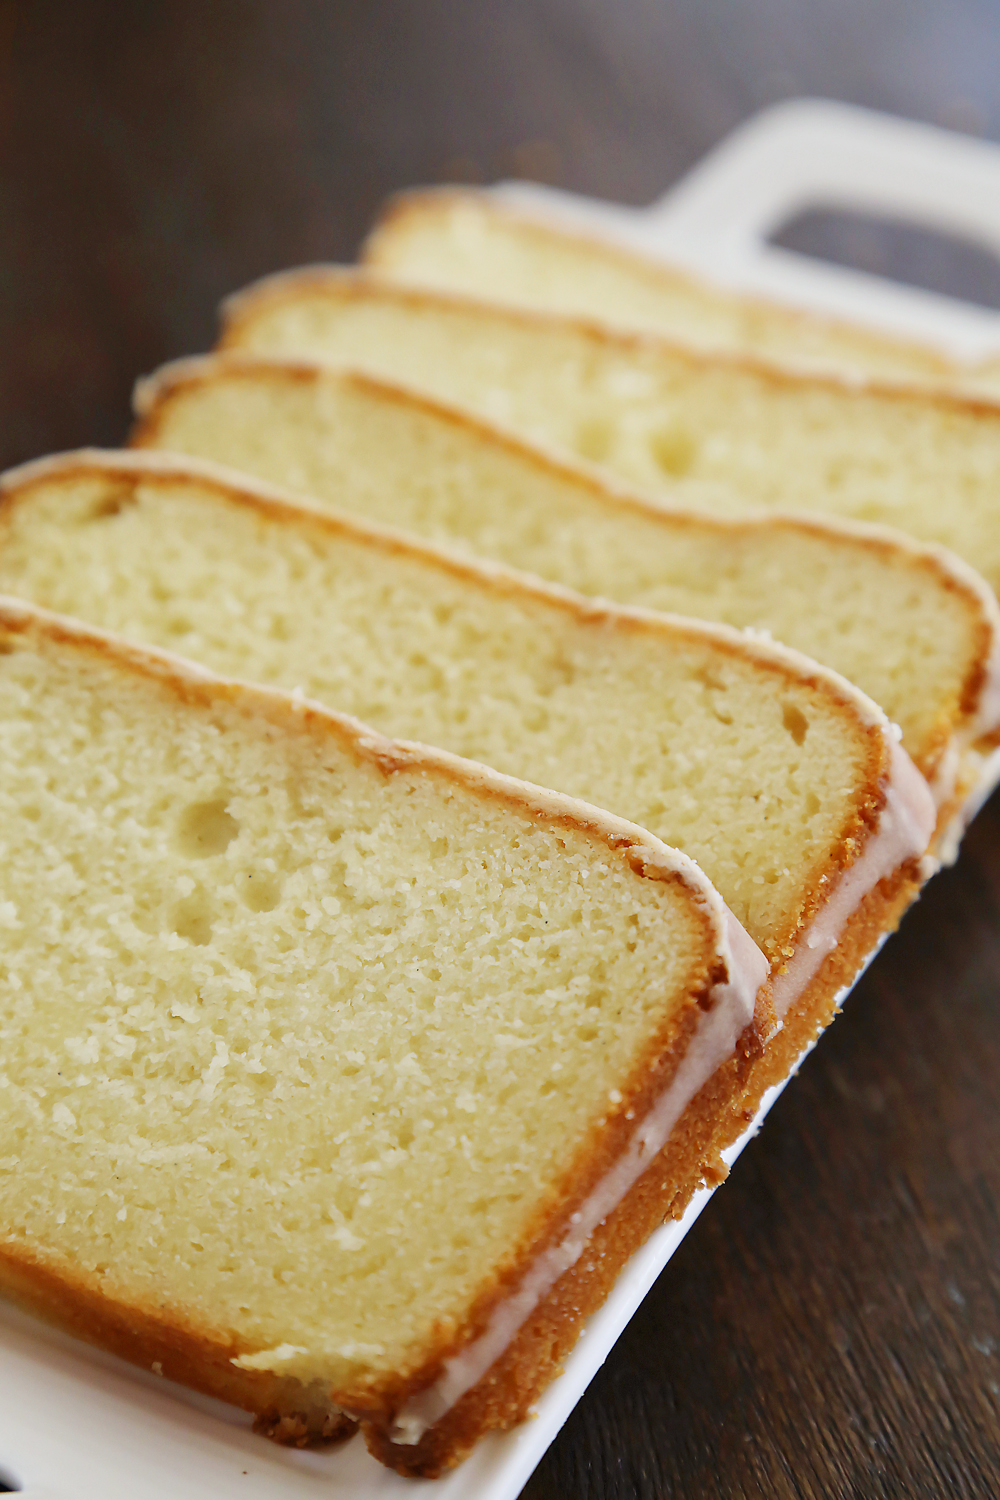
(159, 1343)
(303, 1429)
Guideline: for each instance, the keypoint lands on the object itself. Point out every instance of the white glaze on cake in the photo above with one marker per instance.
(904, 832)
(988, 709)
(968, 766)
(983, 769)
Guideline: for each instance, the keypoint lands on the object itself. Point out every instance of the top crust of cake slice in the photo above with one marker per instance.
(469, 241)
(282, 996)
(718, 432)
(909, 622)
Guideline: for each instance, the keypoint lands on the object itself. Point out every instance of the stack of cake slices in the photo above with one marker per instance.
(455, 761)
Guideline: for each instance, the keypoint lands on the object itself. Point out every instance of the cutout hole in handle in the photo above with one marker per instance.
(896, 250)
(8, 1484)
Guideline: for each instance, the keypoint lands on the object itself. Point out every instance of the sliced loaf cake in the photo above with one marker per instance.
(724, 434)
(468, 241)
(782, 780)
(340, 1076)
(912, 625)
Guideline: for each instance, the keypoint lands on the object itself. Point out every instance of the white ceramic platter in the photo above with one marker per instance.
(76, 1424)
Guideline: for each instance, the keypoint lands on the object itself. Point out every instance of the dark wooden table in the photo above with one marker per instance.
(832, 1325)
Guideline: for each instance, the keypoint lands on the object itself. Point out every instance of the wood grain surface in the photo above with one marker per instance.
(832, 1325)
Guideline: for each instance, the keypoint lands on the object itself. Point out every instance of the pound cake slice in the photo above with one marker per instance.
(719, 433)
(782, 781)
(339, 1075)
(469, 241)
(909, 623)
